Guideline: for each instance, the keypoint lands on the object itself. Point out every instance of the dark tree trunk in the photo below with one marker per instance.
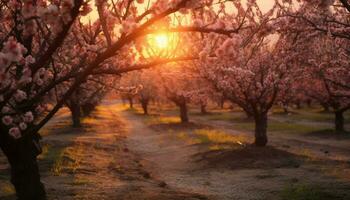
(25, 176)
(339, 121)
(88, 108)
(144, 104)
(260, 129)
(76, 115)
(298, 105)
(204, 109)
(285, 108)
(308, 102)
(183, 112)
(222, 103)
(131, 102)
(325, 107)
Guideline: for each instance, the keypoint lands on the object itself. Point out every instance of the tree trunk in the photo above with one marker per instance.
(285, 108)
(131, 102)
(222, 103)
(325, 107)
(183, 112)
(76, 114)
(260, 129)
(339, 121)
(298, 105)
(87, 109)
(204, 109)
(309, 102)
(25, 176)
(144, 104)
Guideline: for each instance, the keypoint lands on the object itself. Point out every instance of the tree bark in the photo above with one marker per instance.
(131, 102)
(285, 108)
(222, 103)
(339, 121)
(204, 109)
(183, 112)
(76, 115)
(260, 129)
(325, 107)
(22, 156)
(87, 109)
(308, 103)
(144, 104)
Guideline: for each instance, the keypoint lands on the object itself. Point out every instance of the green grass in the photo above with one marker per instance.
(311, 114)
(227, 116)
(218, 137)
(309, 192)
(276, 126)
(215, 139)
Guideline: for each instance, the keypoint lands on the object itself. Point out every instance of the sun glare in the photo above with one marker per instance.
(162, 41)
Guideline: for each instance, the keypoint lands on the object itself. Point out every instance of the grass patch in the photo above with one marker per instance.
(80, 181)
(227, 116)
(57, 159)
(4, 177)
(51, 158)
(7, 189)
(312, 114)
(309, 192)
(162, 120)
(218, 137)
(280, 127)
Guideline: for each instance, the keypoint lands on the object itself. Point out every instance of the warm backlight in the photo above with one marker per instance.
(162, 41)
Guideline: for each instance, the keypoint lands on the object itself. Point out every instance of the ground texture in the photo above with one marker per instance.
(119, 154)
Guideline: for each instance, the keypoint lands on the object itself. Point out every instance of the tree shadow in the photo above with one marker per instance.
(248, 157)
(178, 126)
(329, 134)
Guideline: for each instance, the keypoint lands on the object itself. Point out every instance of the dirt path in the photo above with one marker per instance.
(172, 161)
(117, 156)
(94, 163)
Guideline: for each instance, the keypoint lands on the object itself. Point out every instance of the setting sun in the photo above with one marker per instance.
(162, 41)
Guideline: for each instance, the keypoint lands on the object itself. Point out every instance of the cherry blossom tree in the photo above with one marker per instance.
(322, 25)
(329, 66)
(175, 85)
(252, 78)
(45, 44)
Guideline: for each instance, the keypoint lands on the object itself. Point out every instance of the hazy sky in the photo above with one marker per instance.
(264, 4)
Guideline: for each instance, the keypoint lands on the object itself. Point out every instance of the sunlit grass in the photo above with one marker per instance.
(63, 159)
(7, 189)
(74, 155)
(189, 139)
(162, 120)
(80, 181)
(58, 164)
(216, 136)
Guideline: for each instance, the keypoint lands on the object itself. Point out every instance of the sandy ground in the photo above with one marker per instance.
(116, 155)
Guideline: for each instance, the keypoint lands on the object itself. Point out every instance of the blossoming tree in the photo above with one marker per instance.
(43, 47)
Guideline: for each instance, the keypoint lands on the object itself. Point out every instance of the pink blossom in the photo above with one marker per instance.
(20, 95)
(15, 133)
(23, 126)
(7, 120)
(28, 117)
